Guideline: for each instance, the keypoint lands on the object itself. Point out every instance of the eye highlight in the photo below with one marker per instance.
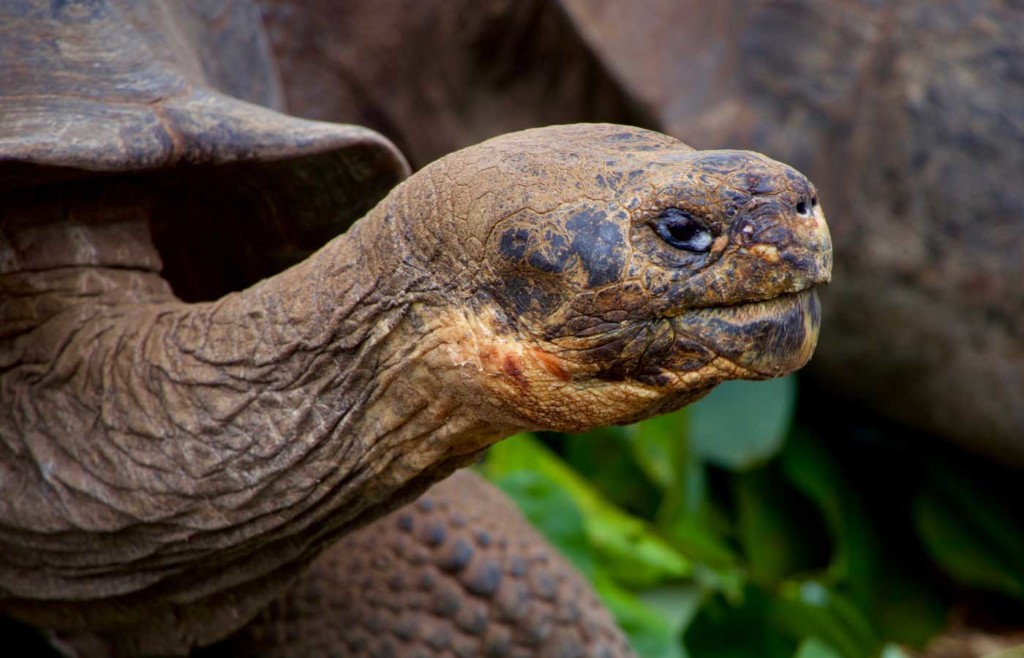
(681, 230)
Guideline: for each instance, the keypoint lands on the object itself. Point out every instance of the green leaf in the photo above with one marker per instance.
(742, 424)
(661, 448)
(629, 548)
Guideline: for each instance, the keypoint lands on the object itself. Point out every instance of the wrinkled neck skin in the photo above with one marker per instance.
(151, 445)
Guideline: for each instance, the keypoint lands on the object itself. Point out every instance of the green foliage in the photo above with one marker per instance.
(730, 530)
(740, 425)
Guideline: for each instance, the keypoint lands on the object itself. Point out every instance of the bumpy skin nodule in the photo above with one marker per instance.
(167, 468)
(458, 573)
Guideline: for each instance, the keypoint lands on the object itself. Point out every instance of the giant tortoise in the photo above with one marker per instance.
(168, 467)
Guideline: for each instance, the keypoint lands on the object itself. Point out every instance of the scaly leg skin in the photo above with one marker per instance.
(457, 573)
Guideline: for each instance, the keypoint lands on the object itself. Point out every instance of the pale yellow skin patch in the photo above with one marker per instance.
(766, 252)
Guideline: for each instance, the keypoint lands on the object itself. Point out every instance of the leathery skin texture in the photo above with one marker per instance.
(458, 573)
(169, 468)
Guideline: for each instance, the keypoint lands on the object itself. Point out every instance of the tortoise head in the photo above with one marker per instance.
(613, 273)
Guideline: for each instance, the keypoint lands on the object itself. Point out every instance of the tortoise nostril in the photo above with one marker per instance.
(814, 201)
(801, 207)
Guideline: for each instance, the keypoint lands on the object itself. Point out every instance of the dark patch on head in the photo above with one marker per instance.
(524, 294)
(800, 261)
(553, 256)
(722, 162)
(599, 244)
(768, 230)
(513, 243)
(580, 326)
(760, 184)
(616, 373)
(654, 376)
(735, 197)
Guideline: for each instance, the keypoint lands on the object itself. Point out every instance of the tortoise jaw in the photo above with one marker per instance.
(763, 339)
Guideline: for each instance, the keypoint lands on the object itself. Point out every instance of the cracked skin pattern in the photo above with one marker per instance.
(168, 468)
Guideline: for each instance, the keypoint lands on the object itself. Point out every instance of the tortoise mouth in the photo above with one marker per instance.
(763, 339)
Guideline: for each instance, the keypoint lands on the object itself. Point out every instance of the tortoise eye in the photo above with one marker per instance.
(681, 230)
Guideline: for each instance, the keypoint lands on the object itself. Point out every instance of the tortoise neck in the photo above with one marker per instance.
(279, 415)
(354, 335)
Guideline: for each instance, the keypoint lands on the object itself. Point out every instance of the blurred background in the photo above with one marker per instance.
(871, 505)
